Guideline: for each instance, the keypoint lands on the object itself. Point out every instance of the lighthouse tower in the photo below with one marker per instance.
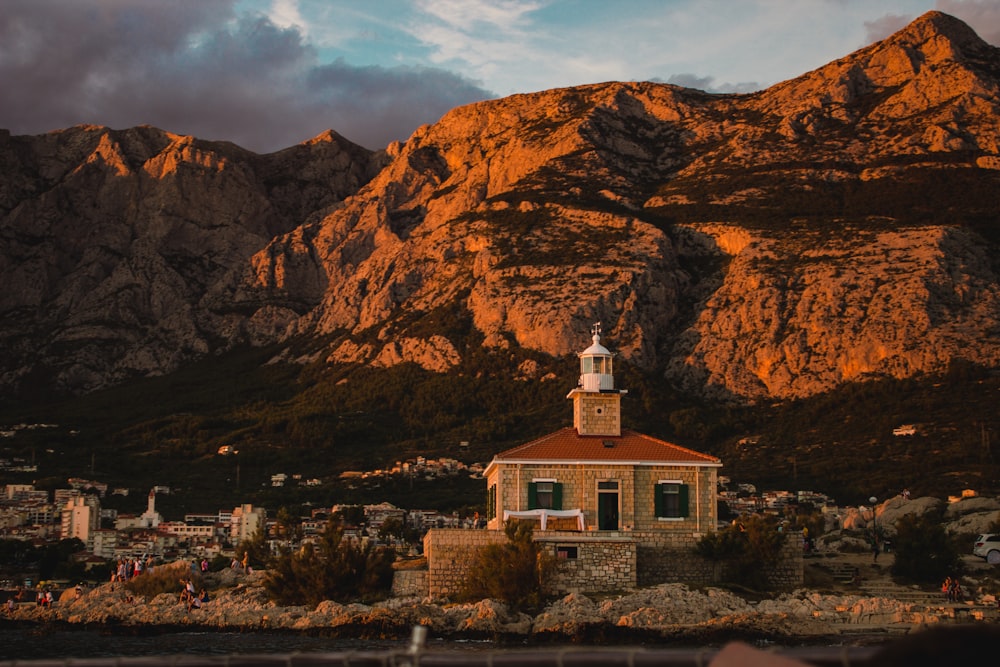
(596, 402)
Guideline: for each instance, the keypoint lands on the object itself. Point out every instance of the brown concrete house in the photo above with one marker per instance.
(617, 508)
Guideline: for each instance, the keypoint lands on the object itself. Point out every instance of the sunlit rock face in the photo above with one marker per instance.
(832, 228)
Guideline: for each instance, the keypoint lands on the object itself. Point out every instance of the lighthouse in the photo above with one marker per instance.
(596, 402)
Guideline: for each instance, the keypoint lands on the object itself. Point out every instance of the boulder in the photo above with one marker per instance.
(569, 616)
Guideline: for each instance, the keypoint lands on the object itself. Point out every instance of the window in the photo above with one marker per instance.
(491, 502)
(545, 494)
(566, 552)
(671, 499)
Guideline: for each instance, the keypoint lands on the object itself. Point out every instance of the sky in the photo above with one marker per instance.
(268, 74)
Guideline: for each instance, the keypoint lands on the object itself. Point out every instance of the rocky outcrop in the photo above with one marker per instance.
(671, 610)
(962, 517)
(833, 228)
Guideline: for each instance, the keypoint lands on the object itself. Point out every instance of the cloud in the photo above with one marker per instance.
(707, 83)
(982, 15)
(200, 68)
(884, 26)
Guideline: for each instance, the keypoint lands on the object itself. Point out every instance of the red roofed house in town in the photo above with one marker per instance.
(617, 508)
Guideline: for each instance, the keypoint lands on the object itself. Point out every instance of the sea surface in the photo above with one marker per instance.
(51, 643)
(40, 643)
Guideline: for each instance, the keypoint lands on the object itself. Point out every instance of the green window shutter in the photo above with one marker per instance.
(532, 495)
(557, 496)
(658, 501)
(683, 492)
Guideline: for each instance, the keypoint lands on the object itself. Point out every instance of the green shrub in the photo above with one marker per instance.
(163, 579)
(334, 568)
(924, 552)
(743, 552)
(515, 572)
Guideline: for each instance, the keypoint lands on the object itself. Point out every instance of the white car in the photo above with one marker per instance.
(987, 546)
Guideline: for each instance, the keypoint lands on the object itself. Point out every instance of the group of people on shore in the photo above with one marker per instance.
(189, 597)
(245, 563)
(43, 598)
(129, 568)
(952, 590)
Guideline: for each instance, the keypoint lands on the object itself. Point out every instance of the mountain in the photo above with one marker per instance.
(834, 228)
(116, 246)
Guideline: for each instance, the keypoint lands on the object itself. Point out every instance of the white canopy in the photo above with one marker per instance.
(543, 515)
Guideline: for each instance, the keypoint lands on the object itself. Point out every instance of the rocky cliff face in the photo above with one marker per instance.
(115, 245)
(834, 227)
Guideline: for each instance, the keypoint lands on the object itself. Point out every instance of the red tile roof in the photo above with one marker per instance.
(567, 445)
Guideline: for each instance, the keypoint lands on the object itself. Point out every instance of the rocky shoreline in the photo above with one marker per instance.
(667, 614)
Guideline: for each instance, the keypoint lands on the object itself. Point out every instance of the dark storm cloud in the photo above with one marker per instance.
(195, 68)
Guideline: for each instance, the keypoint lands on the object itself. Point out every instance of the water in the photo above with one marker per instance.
(37, 643)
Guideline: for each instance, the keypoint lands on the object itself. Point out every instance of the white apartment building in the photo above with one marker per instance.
(246, 520)
(81, 516)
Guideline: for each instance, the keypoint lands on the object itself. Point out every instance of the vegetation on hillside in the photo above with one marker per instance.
(320, 421)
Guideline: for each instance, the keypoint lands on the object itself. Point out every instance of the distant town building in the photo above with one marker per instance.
(245, 521)
(150, 518)
(81, 516)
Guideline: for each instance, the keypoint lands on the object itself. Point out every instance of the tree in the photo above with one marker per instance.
(924, 552)
(56, 555)
(288, 524)
(745, 550)
(392, 527)
(515, 572)
(258, 548)
(335, 568)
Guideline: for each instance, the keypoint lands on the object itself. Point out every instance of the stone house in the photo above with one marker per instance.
(617, 508)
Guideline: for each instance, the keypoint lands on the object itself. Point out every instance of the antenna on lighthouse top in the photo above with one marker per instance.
(595, 331)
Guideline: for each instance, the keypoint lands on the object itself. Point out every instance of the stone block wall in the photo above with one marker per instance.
(590, 563)
(606, 561)
(409, 583)
(449, 555)
(597, 414)
(788, 571)
(661, 563)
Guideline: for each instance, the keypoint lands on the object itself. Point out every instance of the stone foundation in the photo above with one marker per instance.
(448, 552)
(409, 583)
(594, 561)
(680, 565)
(590, 563)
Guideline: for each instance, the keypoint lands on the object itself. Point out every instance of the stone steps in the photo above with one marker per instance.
(903, 594)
